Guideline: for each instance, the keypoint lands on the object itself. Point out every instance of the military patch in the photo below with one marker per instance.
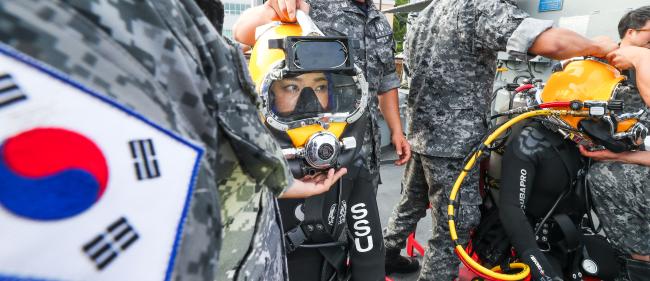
(89, 190)
(382, 29)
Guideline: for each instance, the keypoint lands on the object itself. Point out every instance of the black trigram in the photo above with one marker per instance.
(9, 91)
(144, 157)
(105, 247)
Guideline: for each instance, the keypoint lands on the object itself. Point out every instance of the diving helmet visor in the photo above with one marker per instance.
(313, 95)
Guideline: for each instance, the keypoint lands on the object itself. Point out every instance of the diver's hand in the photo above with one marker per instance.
(402, 148)
(625, 57)
(310, 186)
(286, 9)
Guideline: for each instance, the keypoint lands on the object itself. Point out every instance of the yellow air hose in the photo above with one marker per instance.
(525, 270)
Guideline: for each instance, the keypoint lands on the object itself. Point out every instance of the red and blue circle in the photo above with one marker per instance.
(50, 174)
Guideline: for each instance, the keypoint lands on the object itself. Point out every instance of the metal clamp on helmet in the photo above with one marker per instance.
(313, 97)
(596, 108)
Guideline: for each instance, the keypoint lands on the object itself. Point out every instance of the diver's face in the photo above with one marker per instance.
(287, 91)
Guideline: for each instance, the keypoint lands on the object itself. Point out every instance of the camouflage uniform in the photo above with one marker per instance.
(621, 192)
(410, 23)
(452, 56)
(629, 93)
(375, 57)
(164, 60)
(429, 180)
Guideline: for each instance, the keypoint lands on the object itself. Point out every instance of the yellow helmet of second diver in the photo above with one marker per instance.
(592, 85)
(313, 97)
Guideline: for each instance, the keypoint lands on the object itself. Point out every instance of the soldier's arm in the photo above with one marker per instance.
(633, 157)
(389, 106)
(244, 29)
(272, 10)
(560, 43)
(503, 26)
(638, 157)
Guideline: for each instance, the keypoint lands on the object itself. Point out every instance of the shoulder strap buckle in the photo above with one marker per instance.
(294, 238)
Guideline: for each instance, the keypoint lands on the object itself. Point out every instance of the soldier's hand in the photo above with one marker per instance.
(625, 57)
(313, 185)
(604, 45)
(286, 9)
(402, 148)
(601, 155)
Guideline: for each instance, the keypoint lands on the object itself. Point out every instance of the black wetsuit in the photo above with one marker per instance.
(365, 245)
(534, 175)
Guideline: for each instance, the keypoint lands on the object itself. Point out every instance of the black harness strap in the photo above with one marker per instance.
(312, 225)
(316, 232)
(572, 237)
(571, 240)
(569, 167)
(335, 257)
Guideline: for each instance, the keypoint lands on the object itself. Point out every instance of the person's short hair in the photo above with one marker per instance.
(634, 19)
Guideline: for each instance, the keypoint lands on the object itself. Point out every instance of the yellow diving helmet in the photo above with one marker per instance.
(313, 96)
(591, 85)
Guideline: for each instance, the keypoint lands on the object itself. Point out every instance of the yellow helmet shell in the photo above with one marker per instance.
(262, 58)
(583, 80)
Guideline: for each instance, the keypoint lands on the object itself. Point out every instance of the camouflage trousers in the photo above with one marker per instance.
(621, 197)
(428, 180)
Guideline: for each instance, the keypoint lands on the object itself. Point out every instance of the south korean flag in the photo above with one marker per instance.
(89, 190)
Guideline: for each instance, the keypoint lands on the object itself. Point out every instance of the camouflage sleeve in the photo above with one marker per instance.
(524, 36)
(235, 103)
(389, 79)
(279, 177)
(388, 82)
(497, 22)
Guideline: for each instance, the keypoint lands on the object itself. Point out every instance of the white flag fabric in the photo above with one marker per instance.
(89, 190)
